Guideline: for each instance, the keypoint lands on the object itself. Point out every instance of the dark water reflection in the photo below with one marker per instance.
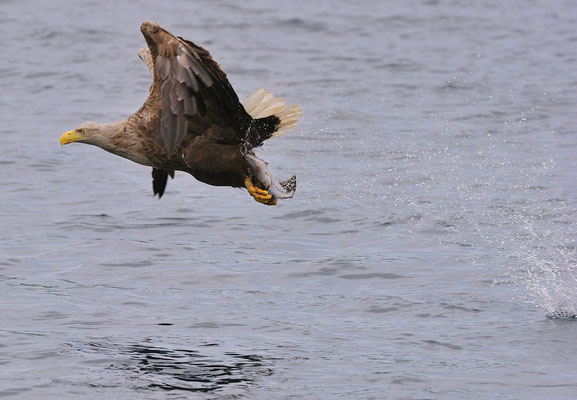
(181, 369)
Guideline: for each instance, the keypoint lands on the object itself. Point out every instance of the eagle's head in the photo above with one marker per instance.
(87, 132)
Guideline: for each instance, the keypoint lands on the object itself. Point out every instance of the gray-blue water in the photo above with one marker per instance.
(430, 242)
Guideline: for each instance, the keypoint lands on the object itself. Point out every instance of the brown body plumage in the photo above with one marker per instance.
(192, 121)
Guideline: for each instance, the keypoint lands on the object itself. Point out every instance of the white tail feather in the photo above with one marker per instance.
(262, 104)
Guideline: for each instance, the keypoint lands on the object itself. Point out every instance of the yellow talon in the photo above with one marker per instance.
(260, 195)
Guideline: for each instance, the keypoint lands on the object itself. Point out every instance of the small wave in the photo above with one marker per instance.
(306, 25)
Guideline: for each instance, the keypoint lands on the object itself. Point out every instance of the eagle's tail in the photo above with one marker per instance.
(263, 106)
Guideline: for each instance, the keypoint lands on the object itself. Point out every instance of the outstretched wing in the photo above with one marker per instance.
(195, 95)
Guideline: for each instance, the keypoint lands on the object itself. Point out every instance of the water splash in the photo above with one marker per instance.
(549, 272)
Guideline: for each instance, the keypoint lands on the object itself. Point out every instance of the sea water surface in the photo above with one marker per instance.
(429, 252)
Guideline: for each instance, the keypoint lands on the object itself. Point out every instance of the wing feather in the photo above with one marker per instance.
(195, 95)
(185, 76)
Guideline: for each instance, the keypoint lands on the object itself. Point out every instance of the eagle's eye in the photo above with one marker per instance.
(81, 131)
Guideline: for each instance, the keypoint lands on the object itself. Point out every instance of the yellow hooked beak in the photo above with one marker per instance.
(69, 137)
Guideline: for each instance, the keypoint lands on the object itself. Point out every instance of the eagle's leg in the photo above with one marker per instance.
(260, 195)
